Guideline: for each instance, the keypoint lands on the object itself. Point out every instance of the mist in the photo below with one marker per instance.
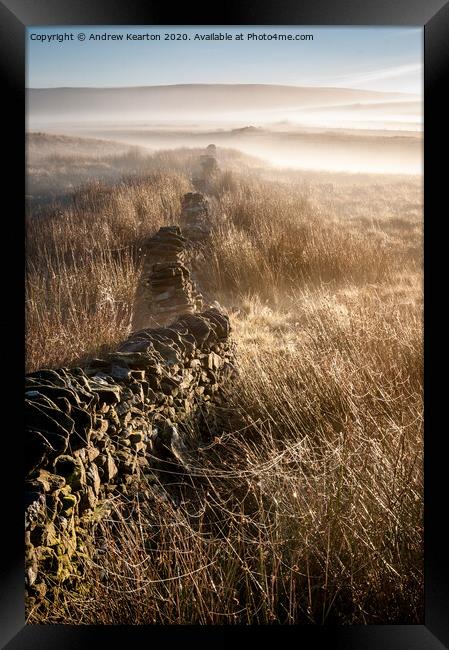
(333, 129)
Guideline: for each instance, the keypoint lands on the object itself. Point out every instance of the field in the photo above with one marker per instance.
(306, 505)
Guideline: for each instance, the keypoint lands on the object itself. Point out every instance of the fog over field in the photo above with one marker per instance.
(334, 129)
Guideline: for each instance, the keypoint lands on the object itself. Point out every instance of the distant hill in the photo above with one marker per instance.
(189, 100)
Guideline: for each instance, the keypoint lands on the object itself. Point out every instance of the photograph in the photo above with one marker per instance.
(224, 411)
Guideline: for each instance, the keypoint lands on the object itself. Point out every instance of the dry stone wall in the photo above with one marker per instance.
(93, 433)
(166, 288)
(208, 171)
(194, 216)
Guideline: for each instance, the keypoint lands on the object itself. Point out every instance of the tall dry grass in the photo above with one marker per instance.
(270, 241)
(304, 505)
(305, 508)
(83, 266)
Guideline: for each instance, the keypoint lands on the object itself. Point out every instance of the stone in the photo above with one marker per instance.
(111, 468)
(93, 478)
(68, 503)
(88, 499)
(83, 426)
(120, 372)
(214, 361)
(126, 462)
(38, 449)
(107, 393)
(49, 420)
(72, 470)
(135, 437)
(101, 425)
(203, 180)
(50, 482)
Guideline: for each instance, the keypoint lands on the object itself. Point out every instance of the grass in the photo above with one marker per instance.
(305, 504)
(83, 266)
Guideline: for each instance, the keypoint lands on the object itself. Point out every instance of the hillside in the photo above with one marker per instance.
(190, 101)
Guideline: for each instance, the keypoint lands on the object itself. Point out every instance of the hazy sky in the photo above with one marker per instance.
(381, 58)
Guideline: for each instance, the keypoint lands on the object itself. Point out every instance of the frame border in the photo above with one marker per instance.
(433, 15)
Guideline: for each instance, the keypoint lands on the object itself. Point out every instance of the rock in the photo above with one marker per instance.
(83, 426)
(106, 463)
(93, 478)
(130, 358)
(203, 180)
(120, 372)
(88, 499)
(38, 450)
(68, 502)
(72, 470)
(107, 393)
(50, 482)
(214, 361)
(51, 422)
(135, 437)
(126, 462)
(32, 572)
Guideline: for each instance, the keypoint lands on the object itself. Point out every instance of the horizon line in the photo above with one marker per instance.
(390, 92)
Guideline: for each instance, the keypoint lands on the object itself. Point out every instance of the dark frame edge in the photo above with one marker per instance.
(232, 12)
(12, 73)
(436, 74)
(434, 633)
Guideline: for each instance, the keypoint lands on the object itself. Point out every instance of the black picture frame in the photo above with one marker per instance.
(15, 16)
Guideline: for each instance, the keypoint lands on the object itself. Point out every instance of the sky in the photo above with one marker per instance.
(380, 58)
